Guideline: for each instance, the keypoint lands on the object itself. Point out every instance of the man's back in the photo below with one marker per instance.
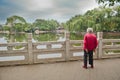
(90, 41)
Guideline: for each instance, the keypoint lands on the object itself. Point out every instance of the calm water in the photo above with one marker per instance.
(5, 38)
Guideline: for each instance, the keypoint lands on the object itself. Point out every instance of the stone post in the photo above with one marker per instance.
(30, 49)
(100, 51)
(67, 56)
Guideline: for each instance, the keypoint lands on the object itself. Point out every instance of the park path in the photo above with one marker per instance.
(106, 69)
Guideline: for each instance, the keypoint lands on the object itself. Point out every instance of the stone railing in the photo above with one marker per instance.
(108, 48)
(54, 51)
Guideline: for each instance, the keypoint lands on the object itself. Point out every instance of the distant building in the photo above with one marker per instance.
(60, 30)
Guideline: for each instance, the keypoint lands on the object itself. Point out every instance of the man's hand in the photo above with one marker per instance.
(86, 50)
(94, 50)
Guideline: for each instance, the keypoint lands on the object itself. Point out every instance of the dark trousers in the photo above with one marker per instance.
(86, 55)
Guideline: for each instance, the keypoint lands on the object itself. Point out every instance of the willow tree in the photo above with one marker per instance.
(15, 23)
(109, 2)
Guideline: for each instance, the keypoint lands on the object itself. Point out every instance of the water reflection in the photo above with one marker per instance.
(48, 37)
(7, 38)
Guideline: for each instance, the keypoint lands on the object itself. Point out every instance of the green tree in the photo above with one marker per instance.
(42, 24)
(100, 19)
(16, 23)
(109, 2)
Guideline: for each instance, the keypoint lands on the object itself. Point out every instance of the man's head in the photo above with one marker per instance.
(89, 30)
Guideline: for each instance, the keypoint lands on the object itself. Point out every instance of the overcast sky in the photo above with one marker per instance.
(60, 10)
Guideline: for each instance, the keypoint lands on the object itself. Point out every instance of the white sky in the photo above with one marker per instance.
(60, 10)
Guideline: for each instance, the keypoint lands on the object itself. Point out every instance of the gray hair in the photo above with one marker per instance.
(89, 30)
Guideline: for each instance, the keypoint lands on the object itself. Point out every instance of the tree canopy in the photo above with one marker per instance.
(18, 24)
(109, 2)
(42, 24)
(100, 19)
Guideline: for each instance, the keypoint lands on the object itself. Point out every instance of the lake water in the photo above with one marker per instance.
(43, 56)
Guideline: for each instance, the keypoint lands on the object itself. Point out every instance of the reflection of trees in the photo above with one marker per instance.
(21, 37)
(45, 37)
(54, 37)
(11, 38)
(74, 36)
(15, 37)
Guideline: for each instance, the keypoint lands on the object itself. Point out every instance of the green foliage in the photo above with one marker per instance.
(100, 19)
(45, 37)
(20, 37)
(15, 23)
(19, 24)
(6, 28)
(108, 2)
(42, 24)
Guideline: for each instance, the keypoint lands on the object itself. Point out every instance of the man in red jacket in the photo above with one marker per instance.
(90, 44)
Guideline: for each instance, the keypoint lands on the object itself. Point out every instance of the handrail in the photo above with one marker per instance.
(54, 51)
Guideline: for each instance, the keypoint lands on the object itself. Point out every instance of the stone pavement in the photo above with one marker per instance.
(106, 69)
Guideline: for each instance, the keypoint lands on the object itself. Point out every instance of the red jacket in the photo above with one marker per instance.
(90, 41)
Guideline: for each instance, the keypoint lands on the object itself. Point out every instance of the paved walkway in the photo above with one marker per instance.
(107, 69)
